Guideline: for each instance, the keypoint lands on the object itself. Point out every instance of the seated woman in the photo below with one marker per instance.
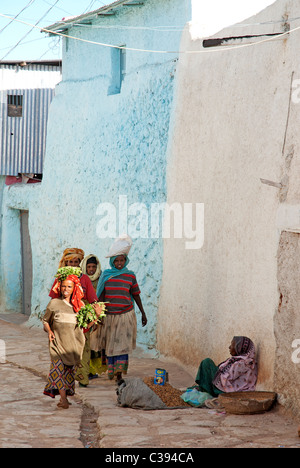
(236, 374)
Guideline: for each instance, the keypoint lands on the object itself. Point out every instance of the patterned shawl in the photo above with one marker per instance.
(238, 373)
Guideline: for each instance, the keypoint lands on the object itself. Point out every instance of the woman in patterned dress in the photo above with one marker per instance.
(66, 339)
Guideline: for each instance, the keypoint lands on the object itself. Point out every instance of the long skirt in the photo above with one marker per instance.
(61, 377)
(205, 376)
(120, 340)
(117, 364)
(83, 370)
(98, 338)
(98, 364)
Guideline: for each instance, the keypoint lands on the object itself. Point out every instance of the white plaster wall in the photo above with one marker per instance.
(229, 126)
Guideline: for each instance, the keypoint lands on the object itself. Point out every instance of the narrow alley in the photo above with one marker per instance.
(29, 419)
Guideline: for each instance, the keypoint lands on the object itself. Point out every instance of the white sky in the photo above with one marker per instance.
(215, 15)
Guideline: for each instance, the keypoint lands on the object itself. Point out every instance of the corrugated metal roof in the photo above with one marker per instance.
(103, 11)
(28, 76)
(23, 63)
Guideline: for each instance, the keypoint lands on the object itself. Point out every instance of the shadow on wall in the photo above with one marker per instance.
(11, 261)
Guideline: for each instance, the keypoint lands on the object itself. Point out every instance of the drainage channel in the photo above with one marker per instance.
(89, 432)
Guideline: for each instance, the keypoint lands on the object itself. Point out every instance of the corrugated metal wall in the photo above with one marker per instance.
(23, 139)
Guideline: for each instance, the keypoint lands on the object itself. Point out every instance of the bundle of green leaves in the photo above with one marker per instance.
(87, 314)
(64, 272)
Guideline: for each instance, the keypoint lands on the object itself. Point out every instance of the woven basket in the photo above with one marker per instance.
(247, 402)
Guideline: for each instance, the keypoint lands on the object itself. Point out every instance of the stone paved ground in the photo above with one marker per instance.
(29, 419)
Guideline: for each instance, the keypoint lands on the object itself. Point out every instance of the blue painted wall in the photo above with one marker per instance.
(101, 146)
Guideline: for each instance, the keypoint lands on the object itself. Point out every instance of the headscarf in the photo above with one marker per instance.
(70, 254)
(238, 373)
(112, 273)
(243, 346)
(91, 259)
(77, 294)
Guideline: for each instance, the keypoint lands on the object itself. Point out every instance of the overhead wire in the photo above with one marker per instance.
(57, 43)
(52, 48)
(24, 43)
(202, 51)
(90, 6)
(20, 12)
(133, 28)
(28, 32)
(59, 8)
(264, 23)
(12, 19)
(179, 28)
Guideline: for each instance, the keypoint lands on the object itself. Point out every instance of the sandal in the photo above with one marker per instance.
(62, 405)
(93, 376)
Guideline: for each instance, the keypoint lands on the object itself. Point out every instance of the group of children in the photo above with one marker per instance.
(82, 355)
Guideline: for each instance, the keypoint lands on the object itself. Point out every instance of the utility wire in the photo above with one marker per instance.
(90, 6)
(27, 6)
(190, 52)
(58, 8)
(24, 43)
(180, 28)
(12, 20)
(132, 28)
(32, 27)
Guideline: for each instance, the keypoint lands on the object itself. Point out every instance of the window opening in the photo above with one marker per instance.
(15, 105)
(118, 70)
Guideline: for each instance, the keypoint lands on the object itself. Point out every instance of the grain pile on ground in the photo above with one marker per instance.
(168, 394)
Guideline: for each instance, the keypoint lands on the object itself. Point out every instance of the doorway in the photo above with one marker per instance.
(26, 263)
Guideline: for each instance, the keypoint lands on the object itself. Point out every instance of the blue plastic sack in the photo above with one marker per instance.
(194, 397)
